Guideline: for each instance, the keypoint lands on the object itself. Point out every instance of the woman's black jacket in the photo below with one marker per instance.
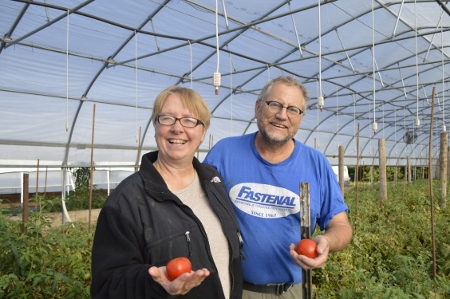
(143, 224)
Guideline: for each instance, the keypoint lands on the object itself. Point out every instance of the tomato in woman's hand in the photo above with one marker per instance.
(178, 266)
(307, 247)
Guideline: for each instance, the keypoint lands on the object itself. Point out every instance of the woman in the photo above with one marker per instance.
(173, 206)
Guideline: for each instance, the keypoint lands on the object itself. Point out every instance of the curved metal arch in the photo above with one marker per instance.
(244, 26)
(70, 11)
(27, 4)
(280, 65)
(262, 19)
(14, 26)
(331, 140)
(415, 146)
(149, 18)
(331, 115)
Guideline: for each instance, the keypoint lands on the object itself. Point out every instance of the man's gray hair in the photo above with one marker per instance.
(289, 81)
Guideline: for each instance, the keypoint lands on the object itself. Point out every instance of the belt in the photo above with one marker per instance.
(276, 289)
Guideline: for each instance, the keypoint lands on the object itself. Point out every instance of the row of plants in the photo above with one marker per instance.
(390, 255)
(369, 173)
(44, 262)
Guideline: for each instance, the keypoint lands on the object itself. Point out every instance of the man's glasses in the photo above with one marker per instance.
(188, 122)
(276, 107)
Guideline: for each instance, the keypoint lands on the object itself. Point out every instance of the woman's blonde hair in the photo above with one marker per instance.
(191, 100)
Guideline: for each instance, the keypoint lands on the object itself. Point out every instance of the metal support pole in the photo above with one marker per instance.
(305, 233)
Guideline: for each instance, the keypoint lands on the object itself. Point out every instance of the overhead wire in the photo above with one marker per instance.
(343, 47)
(295, 31)
(217, 38)
(431, 42)
(231, 95)
(444, 129)
(67, 70)
(190, 59)
(225, 14)
(318, 121)
(216, 75)
(398, 19)
(136, 83)
(337, 113)
(320, 98)
(374, 125)
(417, 67)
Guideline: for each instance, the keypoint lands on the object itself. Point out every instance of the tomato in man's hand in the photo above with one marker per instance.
(178, 266)
(307, 247)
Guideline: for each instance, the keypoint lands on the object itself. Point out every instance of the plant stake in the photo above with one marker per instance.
(305, 233)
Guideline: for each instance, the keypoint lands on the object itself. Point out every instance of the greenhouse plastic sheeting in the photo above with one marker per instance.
(71, 68)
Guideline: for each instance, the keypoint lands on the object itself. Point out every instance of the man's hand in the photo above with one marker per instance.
(183, 284)
(337, 236)
(307, 263)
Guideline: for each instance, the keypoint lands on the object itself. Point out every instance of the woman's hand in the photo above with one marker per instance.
(183, 284)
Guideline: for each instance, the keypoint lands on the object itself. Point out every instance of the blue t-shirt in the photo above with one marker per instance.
(265, 198)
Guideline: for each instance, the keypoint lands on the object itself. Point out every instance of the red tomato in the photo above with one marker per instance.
(307, 247)
(178, 266)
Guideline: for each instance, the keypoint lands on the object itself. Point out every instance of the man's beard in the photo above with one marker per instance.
(272, 141)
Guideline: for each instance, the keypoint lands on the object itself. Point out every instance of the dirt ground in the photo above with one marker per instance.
(81, 216)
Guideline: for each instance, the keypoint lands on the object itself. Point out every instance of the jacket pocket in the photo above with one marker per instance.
(187, 242)
(159, 252)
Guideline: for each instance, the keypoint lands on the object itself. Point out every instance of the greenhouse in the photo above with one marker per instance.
(78, 85)
(78, 79)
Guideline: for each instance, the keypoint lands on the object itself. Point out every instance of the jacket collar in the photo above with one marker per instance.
(155, 184)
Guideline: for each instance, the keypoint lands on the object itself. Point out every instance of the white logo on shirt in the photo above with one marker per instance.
(264, 201)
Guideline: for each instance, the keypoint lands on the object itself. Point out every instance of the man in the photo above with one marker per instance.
(262, 172)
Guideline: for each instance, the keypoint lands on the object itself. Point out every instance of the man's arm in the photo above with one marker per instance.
(338, 232)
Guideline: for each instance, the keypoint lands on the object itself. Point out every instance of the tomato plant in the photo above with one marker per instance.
(307, 247)
(177, 266)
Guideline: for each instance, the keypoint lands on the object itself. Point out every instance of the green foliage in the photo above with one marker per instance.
(393, 173)
(79, 198)
(11, 210)
(390, 255)
(76, 201)
(82, 178)
(44, 262)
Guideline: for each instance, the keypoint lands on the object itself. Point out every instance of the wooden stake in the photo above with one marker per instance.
(45, 182)
(37, 180)
(341, 169)
(91, 179)
(443, 169)
(382, 169)
(356, 178)
(25, 202)
(430, 184)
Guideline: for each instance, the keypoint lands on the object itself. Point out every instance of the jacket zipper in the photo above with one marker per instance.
(188, 239)
(238, 233)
